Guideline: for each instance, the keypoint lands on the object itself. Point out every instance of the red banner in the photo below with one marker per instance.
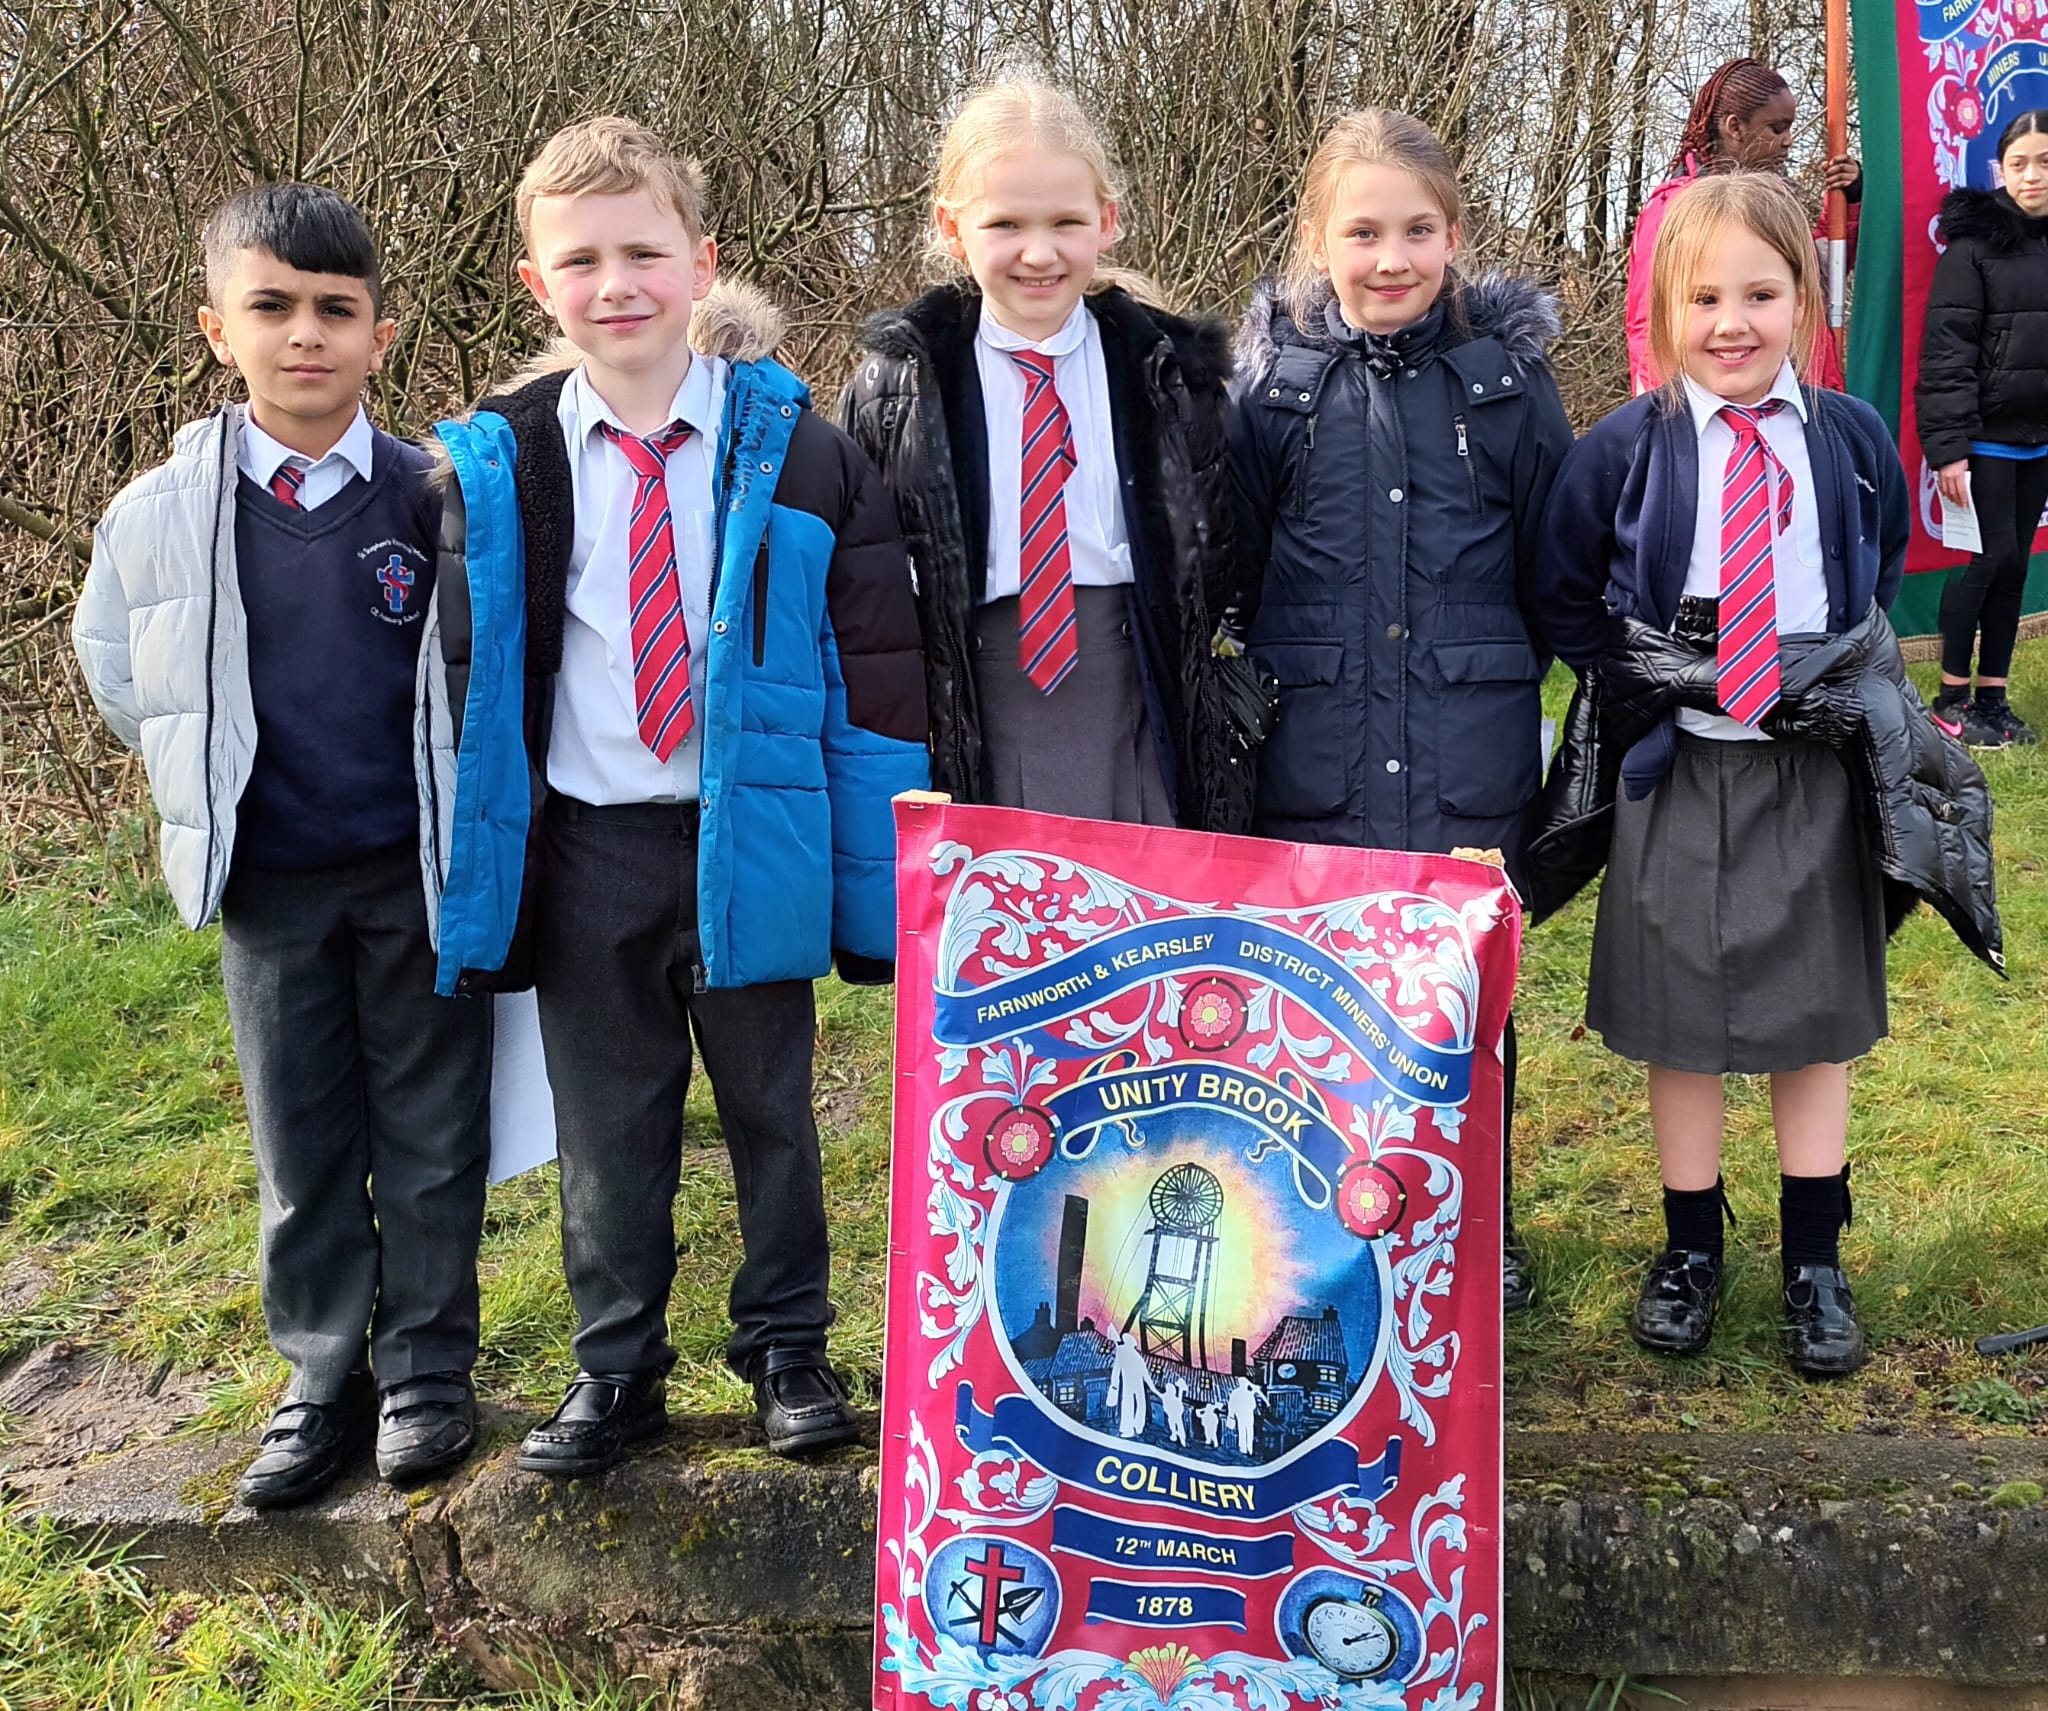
(1192, 1387)
(1966, 68)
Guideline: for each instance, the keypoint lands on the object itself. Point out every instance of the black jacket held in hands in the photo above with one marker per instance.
(914, 405)
(1984, 354)
(1922, 802)
(1389, 494)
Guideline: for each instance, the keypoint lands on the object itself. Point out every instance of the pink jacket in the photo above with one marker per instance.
(1641, 375)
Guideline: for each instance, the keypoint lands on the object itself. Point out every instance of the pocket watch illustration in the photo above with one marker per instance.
(1357, 1628)
(1355, 1640)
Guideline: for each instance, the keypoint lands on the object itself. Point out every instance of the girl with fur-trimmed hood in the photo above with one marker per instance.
(1055, 446)
(1393, 440)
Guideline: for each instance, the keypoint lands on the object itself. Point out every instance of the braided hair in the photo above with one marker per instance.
(1735, 91)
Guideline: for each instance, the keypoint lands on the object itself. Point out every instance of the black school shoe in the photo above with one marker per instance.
(307, 1444)
(603, 1415)
(1674, 1311)
(1517, 1287)
(801, 1403)
(424, 1424)
(1822, 1334)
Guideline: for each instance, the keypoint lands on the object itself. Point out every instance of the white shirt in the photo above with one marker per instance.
(1098, 548)
(1796, 557)
(260, 457)
(595, 752)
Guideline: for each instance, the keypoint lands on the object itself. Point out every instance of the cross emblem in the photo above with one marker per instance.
(396, 581)
(992, 1607)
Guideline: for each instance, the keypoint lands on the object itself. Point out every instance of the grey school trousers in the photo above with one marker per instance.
(615, 954)
(369, 1106)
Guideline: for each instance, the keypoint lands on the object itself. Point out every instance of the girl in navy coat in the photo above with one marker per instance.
(1741, 926)
(1394, 434)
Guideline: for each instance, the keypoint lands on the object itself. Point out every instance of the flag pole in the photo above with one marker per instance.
(1838, 145)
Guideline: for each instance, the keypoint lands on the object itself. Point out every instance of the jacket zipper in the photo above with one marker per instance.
(222, 499)
(1300, 494)
(701, 975)
(1471, 468)
(761, 603)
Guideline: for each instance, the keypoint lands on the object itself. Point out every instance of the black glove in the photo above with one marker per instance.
(1830, 713)
(1645, 675)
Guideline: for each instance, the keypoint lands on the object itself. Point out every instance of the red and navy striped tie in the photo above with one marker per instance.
(1045, 605)
(661, 643)
(1756, 507)
(285, 484)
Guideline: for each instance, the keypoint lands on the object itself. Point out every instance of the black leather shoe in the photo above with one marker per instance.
(306, 1444)
(1517, 1287)
(1822, 1334)
(800, 1403)
(601, 1417)
(1674, 1311)
(423, 1425)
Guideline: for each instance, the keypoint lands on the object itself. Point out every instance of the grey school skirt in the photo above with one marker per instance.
(1741, 921)
(1085, 750)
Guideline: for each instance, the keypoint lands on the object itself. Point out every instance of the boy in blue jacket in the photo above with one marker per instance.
(673, 680)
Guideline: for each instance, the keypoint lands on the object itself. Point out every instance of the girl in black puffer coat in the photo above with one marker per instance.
(1982, 406)
(1393, 440)
(1068, 659)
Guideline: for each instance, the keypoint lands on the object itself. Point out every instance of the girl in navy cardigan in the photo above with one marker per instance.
(1741, 926)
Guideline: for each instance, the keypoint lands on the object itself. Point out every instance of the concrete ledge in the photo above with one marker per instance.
(1846, 1556)
(741, 1581)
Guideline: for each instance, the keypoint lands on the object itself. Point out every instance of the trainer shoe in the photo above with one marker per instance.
(2013, 731)
(1948, 717)
(1979, 732)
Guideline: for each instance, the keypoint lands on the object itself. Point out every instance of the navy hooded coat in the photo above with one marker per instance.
(1389, 491)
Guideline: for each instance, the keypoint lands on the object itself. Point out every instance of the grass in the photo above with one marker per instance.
(84, 1633)
(125, 1177)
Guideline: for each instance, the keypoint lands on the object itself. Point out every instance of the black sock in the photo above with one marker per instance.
(1952, 695)
(1991, 700)
(1811, 1213)
(1692, 1218)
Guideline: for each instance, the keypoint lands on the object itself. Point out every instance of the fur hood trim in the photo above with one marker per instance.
(1505, 306)
(736, 321)
(1992, 218)
(945, 319)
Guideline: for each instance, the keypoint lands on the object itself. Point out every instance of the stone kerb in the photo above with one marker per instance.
(740, 1581)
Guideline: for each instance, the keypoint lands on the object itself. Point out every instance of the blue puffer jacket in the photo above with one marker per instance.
(1389, 492)
(813, 714)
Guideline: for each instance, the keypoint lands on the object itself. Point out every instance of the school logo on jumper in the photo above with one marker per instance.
(397, 581)
(395, 568)
(1190, 1378)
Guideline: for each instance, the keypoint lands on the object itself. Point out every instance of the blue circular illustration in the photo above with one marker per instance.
(993, 1594)
(1356, 1628)
(1154, 1286)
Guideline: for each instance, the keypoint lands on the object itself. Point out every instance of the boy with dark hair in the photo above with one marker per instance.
(251, 622)
(673, 679)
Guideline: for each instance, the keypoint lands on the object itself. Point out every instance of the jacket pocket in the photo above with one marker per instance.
(1489, 726)
(1304, 762)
